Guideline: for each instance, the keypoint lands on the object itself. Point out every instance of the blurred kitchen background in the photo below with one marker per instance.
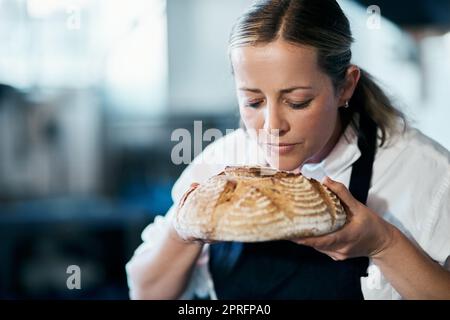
(91, 90)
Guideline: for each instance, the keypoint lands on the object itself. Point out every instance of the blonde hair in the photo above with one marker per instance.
(320, 24)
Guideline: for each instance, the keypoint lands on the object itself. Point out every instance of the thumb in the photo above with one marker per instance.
(341, 191)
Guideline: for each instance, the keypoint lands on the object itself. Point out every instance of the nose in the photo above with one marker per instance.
(275, 123)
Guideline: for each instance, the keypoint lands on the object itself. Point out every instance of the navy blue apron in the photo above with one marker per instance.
(286, 270)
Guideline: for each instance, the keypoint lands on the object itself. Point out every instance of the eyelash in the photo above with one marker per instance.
(295, 106)
(253, 105)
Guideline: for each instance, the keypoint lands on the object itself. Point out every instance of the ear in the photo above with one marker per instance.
(351, 81)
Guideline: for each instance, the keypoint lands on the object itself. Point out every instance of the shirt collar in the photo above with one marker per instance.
(343, 155)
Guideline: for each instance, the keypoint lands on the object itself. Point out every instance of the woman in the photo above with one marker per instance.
(292, 66)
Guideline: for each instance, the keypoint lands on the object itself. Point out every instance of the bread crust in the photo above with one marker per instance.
(253, 204)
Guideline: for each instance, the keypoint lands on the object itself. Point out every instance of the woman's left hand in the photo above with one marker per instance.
(364, 234)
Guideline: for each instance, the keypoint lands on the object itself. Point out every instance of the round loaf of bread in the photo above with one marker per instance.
(252, 204)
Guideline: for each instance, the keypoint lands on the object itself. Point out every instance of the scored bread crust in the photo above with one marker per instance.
(253, 204)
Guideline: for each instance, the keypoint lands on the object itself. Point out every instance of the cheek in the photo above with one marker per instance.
(315, 125)
(252, 118)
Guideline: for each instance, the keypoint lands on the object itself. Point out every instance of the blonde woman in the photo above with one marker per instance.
(292, 67)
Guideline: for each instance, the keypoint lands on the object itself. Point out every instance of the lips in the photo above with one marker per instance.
(280, 148)
(282, 144)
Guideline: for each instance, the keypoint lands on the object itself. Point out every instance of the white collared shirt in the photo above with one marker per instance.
(410, 188)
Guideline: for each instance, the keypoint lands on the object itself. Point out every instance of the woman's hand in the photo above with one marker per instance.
(364, 234)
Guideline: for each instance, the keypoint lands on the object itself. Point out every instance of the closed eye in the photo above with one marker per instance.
(293, 105)
(299, 105)
(254, 104)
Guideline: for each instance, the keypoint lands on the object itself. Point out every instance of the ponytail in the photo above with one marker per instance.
(370, 100)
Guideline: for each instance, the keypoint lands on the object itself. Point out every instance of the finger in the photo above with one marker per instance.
(336, 256)
(341, 191)
(331, 254)
(325, 241)
(305, 241)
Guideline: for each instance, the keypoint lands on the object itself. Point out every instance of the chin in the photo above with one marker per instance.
(284, 163)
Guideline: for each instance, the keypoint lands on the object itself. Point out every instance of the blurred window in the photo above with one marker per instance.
(117, 46)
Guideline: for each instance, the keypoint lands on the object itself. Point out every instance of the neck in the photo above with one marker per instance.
(330, 144)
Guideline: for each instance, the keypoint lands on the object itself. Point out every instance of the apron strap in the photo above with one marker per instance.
(362, 169)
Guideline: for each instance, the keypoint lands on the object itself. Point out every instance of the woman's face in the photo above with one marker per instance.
(287, 102)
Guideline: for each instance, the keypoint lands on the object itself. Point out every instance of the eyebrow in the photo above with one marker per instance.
(287, 90)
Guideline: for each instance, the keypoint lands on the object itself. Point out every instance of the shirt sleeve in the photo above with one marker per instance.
(200, 283)
(437, 225)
